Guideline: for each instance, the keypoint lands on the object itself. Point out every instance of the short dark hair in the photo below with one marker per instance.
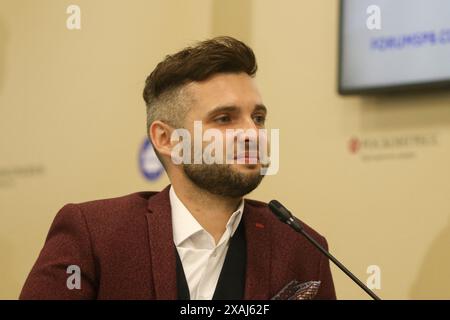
(196, 63)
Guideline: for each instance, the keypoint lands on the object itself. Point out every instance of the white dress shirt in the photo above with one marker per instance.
(201, 257)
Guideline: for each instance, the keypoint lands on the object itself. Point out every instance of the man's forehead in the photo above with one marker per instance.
(225, 89)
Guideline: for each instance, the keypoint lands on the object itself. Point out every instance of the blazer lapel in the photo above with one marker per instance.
(257, 231)
(163, 261)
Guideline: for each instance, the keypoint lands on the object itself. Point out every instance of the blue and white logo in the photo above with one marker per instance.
(151, 167)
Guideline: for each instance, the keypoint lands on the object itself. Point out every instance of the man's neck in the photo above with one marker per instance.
(210, 210)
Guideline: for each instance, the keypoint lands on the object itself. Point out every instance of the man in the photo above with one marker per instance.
(198, 238)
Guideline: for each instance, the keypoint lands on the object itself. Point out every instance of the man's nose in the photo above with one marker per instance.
(249, 123)
(250, 130)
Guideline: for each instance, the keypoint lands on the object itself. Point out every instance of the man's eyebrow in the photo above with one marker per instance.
(219, 109)
(260, 107)
(233, 108)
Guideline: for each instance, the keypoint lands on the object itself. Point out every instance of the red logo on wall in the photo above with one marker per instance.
(354, 145)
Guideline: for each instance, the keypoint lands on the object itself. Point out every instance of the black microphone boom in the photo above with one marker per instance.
(286, 216)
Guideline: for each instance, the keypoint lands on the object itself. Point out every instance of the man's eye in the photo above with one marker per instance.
(222, 119)
(259, 119)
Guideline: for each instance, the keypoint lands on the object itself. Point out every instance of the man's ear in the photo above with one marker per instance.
(160, 133)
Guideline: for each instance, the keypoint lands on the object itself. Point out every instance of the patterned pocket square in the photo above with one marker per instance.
(295, 290)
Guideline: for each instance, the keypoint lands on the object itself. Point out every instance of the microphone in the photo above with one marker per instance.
(286, 216)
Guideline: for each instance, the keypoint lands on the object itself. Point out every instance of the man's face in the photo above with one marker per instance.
(227, 101)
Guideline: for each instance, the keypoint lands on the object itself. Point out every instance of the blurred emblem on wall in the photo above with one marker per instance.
(149, 164)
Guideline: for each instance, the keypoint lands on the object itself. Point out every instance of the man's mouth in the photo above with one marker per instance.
(247, 157)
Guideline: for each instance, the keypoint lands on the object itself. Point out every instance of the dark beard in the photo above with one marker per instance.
(222, 180)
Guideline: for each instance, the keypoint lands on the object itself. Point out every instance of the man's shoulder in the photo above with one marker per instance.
(132, 200)
(113, 209)
(107, 217)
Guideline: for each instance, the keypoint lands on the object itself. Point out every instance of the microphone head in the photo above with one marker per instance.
(280, 211)
(284, 215)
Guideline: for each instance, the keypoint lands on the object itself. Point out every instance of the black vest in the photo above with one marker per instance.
(231, 283)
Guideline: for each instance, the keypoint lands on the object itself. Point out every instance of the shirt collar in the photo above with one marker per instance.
(185, 225)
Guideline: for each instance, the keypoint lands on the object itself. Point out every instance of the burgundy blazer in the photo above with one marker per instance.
(124, 248)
